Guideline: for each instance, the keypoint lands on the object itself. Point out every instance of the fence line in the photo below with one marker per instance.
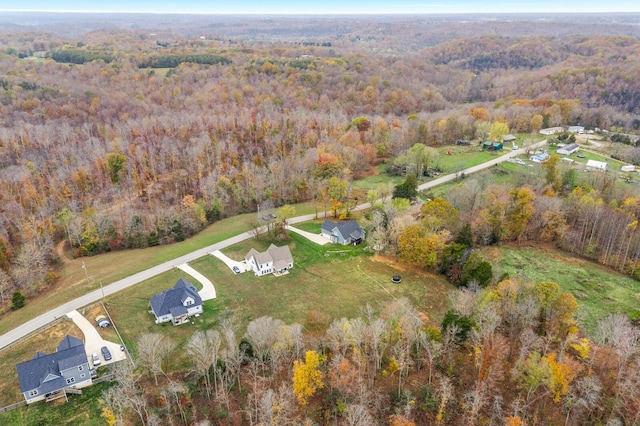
(113, 324)
(13, 406)
(39, 329)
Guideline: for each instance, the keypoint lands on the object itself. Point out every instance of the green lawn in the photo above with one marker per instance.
(312, 226)
(377, 179)
(463, 157)
(335, 280)
(82, 409)
(598, 290)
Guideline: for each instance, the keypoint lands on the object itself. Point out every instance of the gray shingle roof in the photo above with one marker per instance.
(32, 373)
(173, 299)
(349, 228)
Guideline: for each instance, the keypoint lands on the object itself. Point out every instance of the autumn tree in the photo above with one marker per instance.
(307, 377)
(498, 130)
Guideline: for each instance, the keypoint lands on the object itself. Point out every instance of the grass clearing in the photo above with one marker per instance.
(337, 284)
(599, 291)
(82, 409)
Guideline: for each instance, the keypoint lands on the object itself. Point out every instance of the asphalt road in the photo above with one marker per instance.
(87, 299)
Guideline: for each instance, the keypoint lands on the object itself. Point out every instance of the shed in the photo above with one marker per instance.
(628, 168)
(508, 138)
(491, 146)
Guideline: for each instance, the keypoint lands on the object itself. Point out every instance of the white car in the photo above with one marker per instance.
(96, 359)
(514, 147)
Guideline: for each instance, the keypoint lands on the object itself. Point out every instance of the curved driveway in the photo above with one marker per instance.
(134, 279)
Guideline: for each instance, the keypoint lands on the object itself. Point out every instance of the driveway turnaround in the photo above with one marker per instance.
(93, 342)
(314, 238)
(230, 262)
(208, 291)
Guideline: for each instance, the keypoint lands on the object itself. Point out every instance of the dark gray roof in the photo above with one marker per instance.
(349, 228)
(570, 146)
(32, 373)
(173, 299)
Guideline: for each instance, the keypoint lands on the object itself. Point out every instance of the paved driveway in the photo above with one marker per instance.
(315, 238)
(93, 342)
(208, 291)
(230, 262)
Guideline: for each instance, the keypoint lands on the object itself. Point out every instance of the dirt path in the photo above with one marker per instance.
(60, 252)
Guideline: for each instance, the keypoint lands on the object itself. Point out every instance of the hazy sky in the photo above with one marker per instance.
(324, 6)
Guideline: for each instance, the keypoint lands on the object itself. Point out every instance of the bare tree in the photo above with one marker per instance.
(203, 349)
(153, 348)
(262, 333)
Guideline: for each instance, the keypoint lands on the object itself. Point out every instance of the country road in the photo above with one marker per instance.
(42, 320)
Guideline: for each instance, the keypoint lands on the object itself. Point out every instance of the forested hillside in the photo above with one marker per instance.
(102, 147)
(130, 132)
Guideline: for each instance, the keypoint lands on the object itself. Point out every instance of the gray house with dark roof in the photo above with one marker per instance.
(343, 232)
(47, 376)
(177, 304)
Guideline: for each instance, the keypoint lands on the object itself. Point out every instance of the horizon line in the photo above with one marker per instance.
(139, 12)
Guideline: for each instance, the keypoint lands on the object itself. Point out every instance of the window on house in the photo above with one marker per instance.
(33, 392)
(71, 380)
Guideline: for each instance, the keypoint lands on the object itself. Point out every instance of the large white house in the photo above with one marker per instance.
(177, 304)
(276, 260)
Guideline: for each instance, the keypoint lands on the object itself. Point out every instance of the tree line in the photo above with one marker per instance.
(510, 354)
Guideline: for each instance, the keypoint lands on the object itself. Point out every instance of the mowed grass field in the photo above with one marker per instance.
(599, 291)
(333, 280)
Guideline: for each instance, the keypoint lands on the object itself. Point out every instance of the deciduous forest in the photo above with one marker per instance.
(136, 133)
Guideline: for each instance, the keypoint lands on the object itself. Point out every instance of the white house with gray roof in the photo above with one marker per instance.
(276, 260)
(50, 375)
(177, 304)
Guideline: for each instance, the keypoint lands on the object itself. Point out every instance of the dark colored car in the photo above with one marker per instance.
(236, 269)
(105, 353)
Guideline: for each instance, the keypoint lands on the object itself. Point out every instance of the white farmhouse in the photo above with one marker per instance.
(276, 260)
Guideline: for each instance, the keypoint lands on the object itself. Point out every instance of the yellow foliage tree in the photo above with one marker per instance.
(307, 377)
(108, 415)
(560, 378)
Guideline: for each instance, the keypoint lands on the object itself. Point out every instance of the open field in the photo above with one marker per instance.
(338, 284)
(598, 290)
(82, 410)
(45, 341)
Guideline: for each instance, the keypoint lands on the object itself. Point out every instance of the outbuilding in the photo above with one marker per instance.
(568, 149)
(596, 165)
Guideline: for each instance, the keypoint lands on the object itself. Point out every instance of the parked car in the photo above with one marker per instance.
(105, 353)
(102, 321)
(515, 147)
(236, 269)
(95, 358)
